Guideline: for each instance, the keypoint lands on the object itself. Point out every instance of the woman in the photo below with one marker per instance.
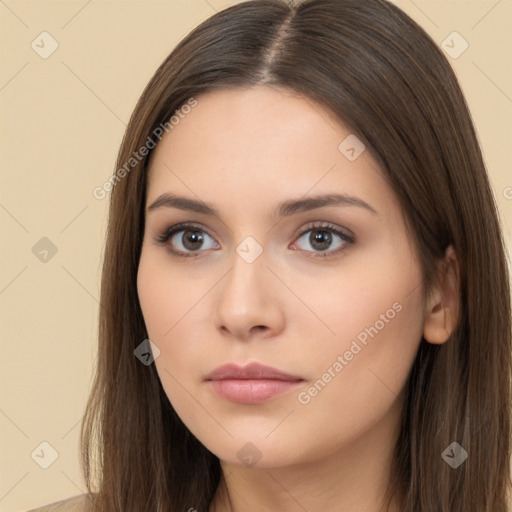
(305, 299)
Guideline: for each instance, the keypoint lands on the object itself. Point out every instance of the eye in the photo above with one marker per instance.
(322, 238)
(185, 239)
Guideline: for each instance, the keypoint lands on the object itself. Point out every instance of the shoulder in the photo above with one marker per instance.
(81, 503)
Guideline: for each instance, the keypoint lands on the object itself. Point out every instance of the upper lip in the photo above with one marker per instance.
(250, 371)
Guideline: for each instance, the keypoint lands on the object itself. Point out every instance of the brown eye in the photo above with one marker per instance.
(320, 239)
(325, 240)
(184, 239)
(191, 240)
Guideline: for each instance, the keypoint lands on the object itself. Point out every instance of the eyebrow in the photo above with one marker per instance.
(284, 209)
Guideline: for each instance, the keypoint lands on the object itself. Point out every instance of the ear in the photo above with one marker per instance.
(442, 307)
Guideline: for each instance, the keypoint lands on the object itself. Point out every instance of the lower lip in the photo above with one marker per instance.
(252, 391)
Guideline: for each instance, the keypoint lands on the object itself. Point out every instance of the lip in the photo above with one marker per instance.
(250, 371)
(251, 384)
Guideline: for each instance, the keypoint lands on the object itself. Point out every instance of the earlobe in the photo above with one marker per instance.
(436, 329)
(442, 309)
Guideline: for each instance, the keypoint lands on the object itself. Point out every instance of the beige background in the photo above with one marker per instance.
(62, 122)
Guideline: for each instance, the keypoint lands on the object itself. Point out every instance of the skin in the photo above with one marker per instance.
(244, 151)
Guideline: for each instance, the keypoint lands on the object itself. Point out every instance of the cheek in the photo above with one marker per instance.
(361, 379)
(373, 299)
(167, 301)
(375, 313)
(165, 294)
(171, 304)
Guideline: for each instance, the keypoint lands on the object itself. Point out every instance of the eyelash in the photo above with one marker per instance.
(163, 238)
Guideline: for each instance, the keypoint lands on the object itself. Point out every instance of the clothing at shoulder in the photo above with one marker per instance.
(81, 503)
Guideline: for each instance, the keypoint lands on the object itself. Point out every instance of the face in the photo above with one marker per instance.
(327, 292)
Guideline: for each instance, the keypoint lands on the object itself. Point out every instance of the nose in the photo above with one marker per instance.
(247, 302)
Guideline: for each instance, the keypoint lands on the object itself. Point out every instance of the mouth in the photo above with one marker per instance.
(251, 384)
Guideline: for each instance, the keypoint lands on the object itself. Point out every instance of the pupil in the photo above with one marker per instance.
(321, 240)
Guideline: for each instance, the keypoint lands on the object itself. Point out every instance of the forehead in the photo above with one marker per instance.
(261, 122)
(260, 142)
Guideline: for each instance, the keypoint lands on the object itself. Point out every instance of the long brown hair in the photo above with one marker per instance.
(380, 74)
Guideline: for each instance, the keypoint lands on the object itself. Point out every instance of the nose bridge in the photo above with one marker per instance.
(248, 269)
(247, 298)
